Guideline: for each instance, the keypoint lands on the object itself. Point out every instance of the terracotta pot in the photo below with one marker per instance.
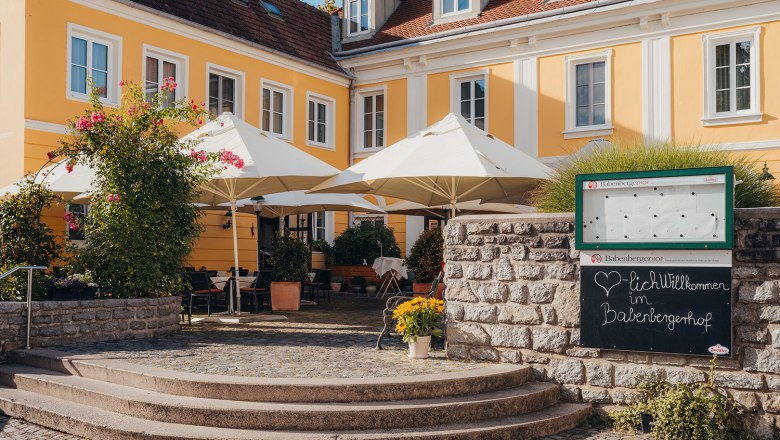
(335, 287)
(422, 289)
(285, 295)
(419, 349)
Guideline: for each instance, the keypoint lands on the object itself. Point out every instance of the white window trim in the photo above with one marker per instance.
(709, 41)
(114, 44)
(182, 67)
(457, 78)
(330, 123)
(362, 93)
(572, 131)
(288, 92)
(237, 75)
(349, 17)
(455, 12)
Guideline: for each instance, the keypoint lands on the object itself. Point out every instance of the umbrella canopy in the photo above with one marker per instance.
(271, 165)
(60, 181)
(449, 162)
(406, 207)
(298, 202)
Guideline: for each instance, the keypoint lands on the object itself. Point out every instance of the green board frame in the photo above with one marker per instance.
(727, 244)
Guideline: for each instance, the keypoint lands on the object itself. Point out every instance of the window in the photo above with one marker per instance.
(79, 212)
(93, 61)
(320, 121)
(588, 95)
(378, 219)
(358, 16)
(469, 97)
(160, 64)
(225, 91)
(373, 123)
(276, 109)
(455, 6)
(318, 225)
(731, 94)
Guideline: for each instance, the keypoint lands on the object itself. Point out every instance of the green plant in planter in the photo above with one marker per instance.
(326, 249)
(427, 255)
(358, 281)
(359, 243)
(289, 257)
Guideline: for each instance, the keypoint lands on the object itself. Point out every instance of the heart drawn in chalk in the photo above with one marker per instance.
(607, 280)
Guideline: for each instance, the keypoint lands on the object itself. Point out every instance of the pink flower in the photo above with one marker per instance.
(160, 121)
(200, 121)
(231, 158)
(83, 123)
(69, 167)
(194, 106)
(50, 155)
(98, 117)
(123, 83)
(131, 111)
(221, 124)
(70, 220)
(113, 198)
(169, 84)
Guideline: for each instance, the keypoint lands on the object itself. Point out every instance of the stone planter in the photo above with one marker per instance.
(420, 348)
(285, 295)
(71, 294)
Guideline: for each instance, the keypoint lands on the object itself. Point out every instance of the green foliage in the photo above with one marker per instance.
(326, 249)
(427, 255)
(142, 224)
(359, 243)
(685, 412)
(329, 6)
(557, 193)
(289, 259)
(357, 281)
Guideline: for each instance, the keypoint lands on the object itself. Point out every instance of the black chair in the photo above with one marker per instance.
(241, 271)
(201, 288)
(259, 290)
(323, 284)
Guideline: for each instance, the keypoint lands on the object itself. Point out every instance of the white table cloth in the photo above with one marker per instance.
(242, 281)
(382, 265)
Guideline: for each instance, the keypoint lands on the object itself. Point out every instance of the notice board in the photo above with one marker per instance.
(657, 301)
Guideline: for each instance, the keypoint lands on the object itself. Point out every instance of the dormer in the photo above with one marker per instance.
(362, 18)
(447, 11)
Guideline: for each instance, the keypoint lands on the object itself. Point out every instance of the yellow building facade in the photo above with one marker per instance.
(696, 71)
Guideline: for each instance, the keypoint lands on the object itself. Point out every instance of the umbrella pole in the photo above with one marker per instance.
(235, 260)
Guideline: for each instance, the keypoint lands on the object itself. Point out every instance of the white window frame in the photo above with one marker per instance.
(457, 78)
(287, 92)
(709, 43)
(114, 44)
(456, 11)
(363, 93)
(330, 121)
(236, 75)
(359, 15)
(572, 131)
(182, 68)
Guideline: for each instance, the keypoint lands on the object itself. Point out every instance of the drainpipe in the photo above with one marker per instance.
(352, 115)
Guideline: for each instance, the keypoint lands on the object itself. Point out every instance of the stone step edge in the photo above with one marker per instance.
(98, 424)
(492, 377)
(151, 405)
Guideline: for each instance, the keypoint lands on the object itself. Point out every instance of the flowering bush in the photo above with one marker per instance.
(419, 317)
(75, 281)
(142, 223)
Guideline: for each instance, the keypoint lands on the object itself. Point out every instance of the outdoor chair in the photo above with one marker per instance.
(201, 288)
(259, 290)
(311, 285)
(394, 301)
(322, 287)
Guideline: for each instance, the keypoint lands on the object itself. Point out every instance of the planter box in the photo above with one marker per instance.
(81, 294)
(285, 295)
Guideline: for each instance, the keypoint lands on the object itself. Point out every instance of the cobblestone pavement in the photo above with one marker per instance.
(20, 430)
(325, 340)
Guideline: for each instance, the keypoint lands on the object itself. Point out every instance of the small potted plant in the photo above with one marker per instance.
(357, 284)
(425, 260)
(371, 287)
(74, 287)
(289, 261)
(335, 284)
(417, 320)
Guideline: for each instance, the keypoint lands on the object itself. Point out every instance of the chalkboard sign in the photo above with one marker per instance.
(657, 302)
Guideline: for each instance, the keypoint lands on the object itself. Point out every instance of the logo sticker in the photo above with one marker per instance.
(595, 258)
(592, 185)
(718, 349)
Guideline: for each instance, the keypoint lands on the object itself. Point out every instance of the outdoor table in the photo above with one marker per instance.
(396, 269)
(242, 282)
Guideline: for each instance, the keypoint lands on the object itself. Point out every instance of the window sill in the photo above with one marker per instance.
(731, 119)
(87, 99)
(456, 16)
(281, 136)
(319, 145)
(590, 131)
(366, 152)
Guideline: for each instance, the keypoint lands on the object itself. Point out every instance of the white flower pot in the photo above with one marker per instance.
(419, 349)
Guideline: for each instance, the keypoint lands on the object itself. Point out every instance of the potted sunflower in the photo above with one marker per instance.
(417, 320)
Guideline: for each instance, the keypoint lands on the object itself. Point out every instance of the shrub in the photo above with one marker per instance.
(326, 249)
(142, 224)
(357, 281)
(289, 257)
(359, 243)
(685, 412)
(557, 193)
(419, 317)
(427, 255)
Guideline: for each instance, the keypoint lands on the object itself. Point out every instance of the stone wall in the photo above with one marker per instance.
(513, 296)
(65, 322)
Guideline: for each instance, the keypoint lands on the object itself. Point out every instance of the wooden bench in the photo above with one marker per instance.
(394, 301)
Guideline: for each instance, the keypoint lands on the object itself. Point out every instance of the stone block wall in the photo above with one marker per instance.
(65, 322)
(513, 295)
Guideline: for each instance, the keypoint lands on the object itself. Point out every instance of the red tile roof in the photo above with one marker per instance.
(304, 32)
(413, 18)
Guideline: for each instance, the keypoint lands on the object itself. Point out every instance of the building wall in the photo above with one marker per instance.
(12, 86)
(513, 295)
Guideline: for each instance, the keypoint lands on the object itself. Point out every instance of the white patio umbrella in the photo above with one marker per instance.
(270, 166)
(406, 207)
(449, 162)
(60, 181)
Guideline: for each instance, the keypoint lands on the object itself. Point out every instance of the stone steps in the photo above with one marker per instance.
(112, 399)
